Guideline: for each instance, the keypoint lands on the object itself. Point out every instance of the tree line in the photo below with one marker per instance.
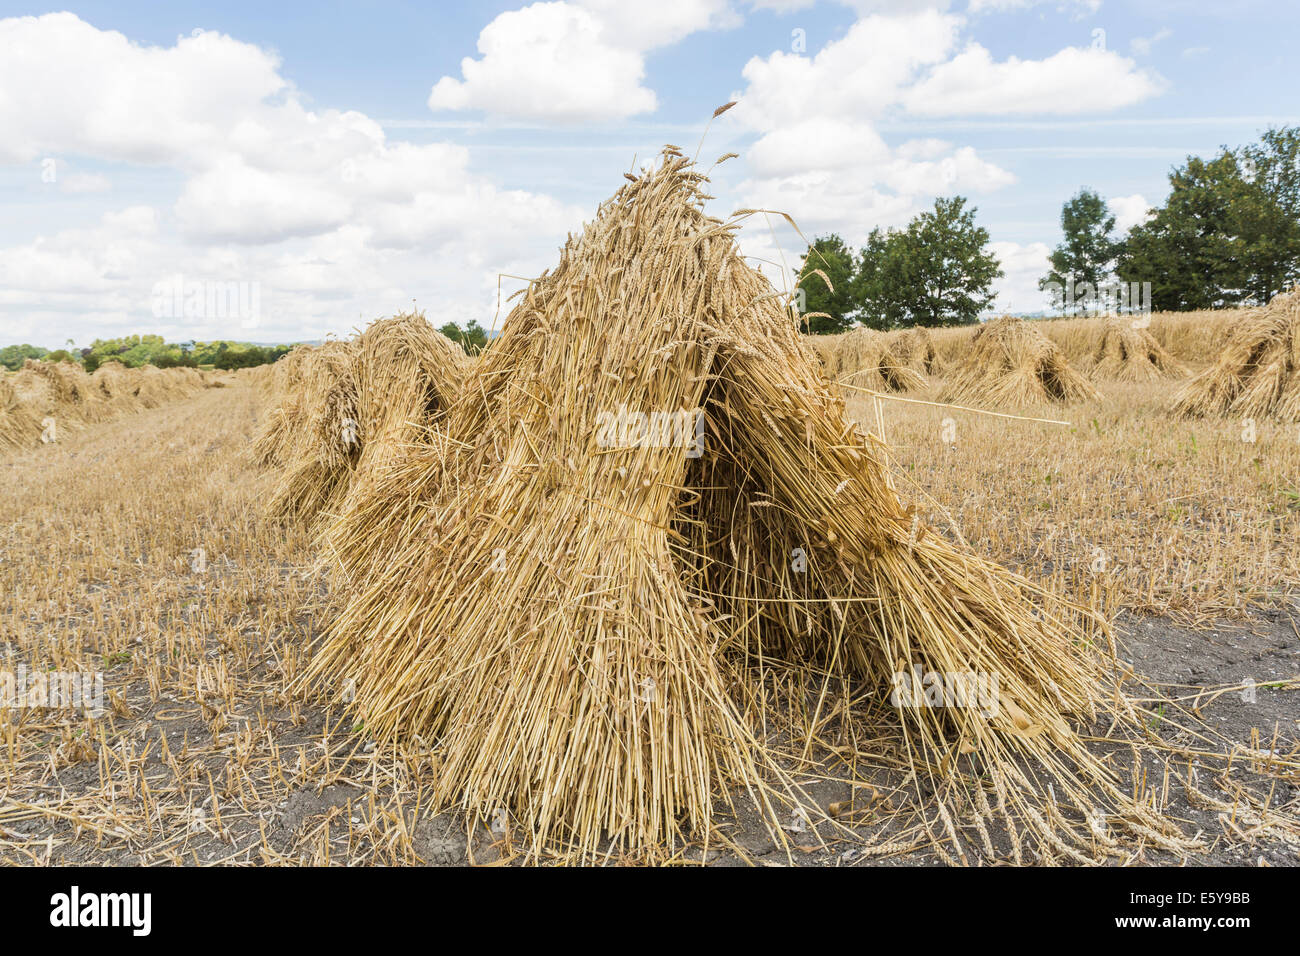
(938, 270)
(1228, 234)
(136, 350)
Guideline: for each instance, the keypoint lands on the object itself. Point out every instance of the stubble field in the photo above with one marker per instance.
(141, 548)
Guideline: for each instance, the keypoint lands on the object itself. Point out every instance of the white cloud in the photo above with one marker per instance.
(337, 223)
(99, 280)
(548, 62)
(235, 201)
(865, 8)
(1129, 211)
(959, 170)
(647, 26)
(84, 272)
(818, 153)
(96, 93)
(839, 145)
(1071, 81)
(573, 62)
(133, 221)
(781, 6)
(1023, 266)
(66, 178)
(856, 76)
(332, 220)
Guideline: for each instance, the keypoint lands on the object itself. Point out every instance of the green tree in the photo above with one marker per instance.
(132, 350)
(1189, 250)
(13, 356)
(472, 338)
(241, 355)
(1269, 213)
(836, 302)
(882, 266)
(1087, 254)
(1229, 232)
(136, 350)
(936, 271)
(173, 358)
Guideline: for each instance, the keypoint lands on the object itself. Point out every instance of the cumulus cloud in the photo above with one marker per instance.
(647, 26)
(1022, 267)
(102, 95)
(573, 62)
(819, 150)
(237, 201)
(548, 62)
(83, 282)
(67, 178)
(1073, 80)
(781, 6)
(323, 211)
(860, 74)
(786, 150)
(1128, 211)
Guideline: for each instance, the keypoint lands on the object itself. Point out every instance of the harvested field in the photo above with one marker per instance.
(1129, 353)
(915, 349)
(1010, 363)
(44, 400)
(870, 359)
(411, 461)
(1191, 338)
(1257, 375)
(210, 752)
(307, 434)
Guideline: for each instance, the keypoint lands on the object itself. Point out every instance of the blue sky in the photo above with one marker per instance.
(346, 159)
